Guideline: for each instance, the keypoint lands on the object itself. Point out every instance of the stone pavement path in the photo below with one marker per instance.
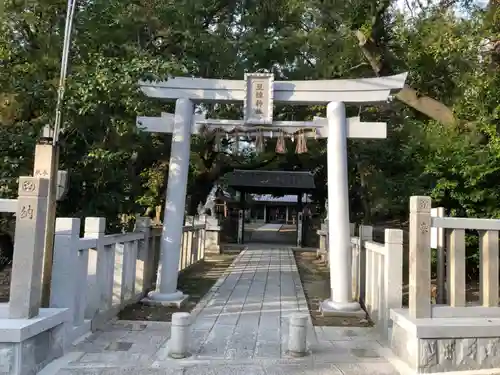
(271, 234)
(269, 227)
(247, 316)
(240, 327)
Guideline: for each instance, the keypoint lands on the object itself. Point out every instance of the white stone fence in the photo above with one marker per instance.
(460, 335)
(97, 275)
(421, 225)
(377, 274)
(93, 276)
(8, 205)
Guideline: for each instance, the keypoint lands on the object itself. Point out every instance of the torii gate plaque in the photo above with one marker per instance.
(258, 92)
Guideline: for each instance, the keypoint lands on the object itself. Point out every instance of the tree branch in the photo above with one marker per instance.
(379, 62)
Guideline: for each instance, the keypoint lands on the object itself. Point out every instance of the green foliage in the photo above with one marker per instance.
(115, 169)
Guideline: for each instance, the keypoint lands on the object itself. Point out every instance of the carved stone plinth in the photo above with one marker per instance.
(458, 339)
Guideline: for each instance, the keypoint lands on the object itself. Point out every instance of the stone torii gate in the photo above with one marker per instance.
(258, 92)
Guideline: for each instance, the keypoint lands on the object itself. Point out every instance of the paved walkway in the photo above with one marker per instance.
(240, 327)
(272, 233)
(269, 227)
(247, 316)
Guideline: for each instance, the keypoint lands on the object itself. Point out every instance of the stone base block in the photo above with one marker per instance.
(28, 345)
(80, 331)
(178, 302)
(454, 339)
(328, 308)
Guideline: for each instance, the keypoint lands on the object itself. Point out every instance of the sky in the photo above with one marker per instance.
(403, 4)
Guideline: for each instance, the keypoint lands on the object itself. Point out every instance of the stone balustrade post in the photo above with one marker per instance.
(64, 288)
(489, 268)
(95, 228)
(393, 275)
(420, 257)
(352, 229)
(439, 234)
(365, 234)
(130, 250)
(27, 264)
(241, 219)
(322, 241)
(300, 228)
(456, 267)
(203, 239)
(355, 262)
(146, 252)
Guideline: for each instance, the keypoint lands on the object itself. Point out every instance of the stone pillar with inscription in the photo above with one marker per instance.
(46, 164)
(258, 103)
(419, 300)
(26, 279)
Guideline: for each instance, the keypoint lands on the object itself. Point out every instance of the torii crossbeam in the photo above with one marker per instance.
(355, 127)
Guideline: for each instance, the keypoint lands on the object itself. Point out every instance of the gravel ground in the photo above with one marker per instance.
(195, 281)
(315, 277)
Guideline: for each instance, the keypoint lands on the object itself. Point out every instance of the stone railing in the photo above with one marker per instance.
(193, 245)
(8, 205)
(458, 336)
(96, 275)
(377, 274)
(377, 271)
(93, 276)
(322, 251)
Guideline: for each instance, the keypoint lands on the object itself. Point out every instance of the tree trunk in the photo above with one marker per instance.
(494, 22)
(379, 62)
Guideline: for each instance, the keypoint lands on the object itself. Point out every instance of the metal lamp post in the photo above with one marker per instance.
(47, 158)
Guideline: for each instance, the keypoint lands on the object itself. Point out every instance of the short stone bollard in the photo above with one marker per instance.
(179, 335)
(297, 339)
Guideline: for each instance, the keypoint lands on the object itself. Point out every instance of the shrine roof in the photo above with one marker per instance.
(267, 181)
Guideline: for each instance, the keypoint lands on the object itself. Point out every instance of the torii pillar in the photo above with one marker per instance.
(339, 252)
(337, 129)
(180, 126)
